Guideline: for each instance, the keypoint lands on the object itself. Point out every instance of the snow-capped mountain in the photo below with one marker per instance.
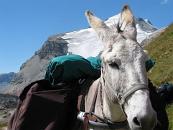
(83, 42)
(86, 43)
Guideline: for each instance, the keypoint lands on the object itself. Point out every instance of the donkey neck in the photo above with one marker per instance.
(108, 108)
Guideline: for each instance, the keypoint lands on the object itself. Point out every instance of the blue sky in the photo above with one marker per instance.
(26, 24)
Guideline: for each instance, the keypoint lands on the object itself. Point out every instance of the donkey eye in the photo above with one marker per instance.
(114, 65)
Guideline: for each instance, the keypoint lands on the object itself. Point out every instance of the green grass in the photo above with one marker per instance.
(2, 125)
(161, 50)
(170, 112)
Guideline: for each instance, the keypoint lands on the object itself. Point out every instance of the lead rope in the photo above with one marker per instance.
(101, 97)
(105, 119)
(101, 100)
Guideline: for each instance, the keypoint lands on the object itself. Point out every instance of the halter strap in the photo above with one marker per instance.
(122, 97)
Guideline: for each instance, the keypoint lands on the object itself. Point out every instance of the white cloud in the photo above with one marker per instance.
(164, 2)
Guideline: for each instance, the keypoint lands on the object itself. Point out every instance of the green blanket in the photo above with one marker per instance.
(70, 67)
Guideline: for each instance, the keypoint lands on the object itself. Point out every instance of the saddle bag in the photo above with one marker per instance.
(42, 107)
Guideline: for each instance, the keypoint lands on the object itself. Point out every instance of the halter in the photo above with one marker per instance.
(121, 96)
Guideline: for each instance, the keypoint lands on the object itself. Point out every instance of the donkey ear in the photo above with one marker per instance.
(126, 17)
(95, 22)
(127, 23)
(99, 26)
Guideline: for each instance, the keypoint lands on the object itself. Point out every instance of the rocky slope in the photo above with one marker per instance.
(7, 105)
(5, 80)
(83, 42)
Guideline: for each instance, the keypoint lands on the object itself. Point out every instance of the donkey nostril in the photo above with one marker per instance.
(135, 120)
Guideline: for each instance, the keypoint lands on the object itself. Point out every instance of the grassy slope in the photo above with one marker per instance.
(161, 49)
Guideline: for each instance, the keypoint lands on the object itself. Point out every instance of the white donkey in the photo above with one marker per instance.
(123, 83)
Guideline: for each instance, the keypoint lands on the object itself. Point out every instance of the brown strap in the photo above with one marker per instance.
(81, 100)
(88, 117)
(94, 101)
(85, 123)
(80, 97)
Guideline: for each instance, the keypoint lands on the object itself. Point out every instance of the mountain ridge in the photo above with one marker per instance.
(5, 80)
(83, 42)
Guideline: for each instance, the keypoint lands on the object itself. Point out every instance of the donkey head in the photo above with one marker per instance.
(123, 69)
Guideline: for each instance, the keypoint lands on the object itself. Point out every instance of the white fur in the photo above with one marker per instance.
(123, 50)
